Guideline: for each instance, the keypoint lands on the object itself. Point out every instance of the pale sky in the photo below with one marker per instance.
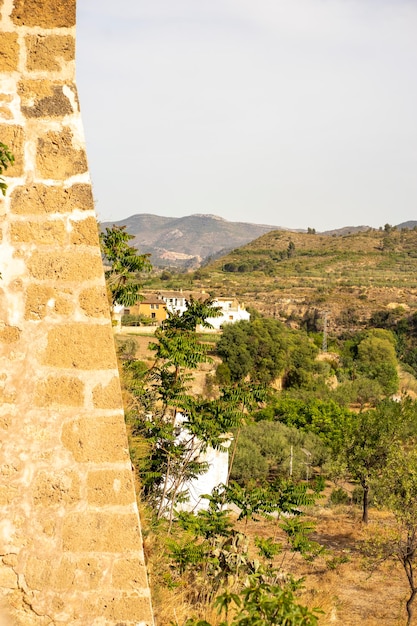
(294, 113)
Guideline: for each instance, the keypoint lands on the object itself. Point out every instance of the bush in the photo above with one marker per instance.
(339, 496)
(264, 450)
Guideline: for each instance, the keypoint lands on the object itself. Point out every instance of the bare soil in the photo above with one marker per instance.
(351, 592)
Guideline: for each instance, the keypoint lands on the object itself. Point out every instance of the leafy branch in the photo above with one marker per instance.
(6, 159)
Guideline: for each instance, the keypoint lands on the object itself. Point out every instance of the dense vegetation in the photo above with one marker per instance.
(333, 418)
(299, 418)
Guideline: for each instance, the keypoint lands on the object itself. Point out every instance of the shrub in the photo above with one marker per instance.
(339, 496)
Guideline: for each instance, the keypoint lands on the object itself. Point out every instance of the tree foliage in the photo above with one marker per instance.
(369, 439)
(125, 265)
(398, 492)
(268, 450)
(178, 426)
(263, 349)
(6, 159)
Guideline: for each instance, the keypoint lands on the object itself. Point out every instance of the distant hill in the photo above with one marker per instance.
(187, 242)
(346, 230)
(288, 274)
(410, 224)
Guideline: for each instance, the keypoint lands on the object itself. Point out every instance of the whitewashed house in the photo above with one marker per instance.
(217, 463)
(231, 310)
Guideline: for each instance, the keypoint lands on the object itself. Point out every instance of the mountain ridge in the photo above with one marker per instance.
(186, 242)
(189, 242)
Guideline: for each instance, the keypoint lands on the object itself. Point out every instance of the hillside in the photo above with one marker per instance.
(186, 242)
(287, 274)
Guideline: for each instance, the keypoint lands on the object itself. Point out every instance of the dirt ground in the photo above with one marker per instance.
(351, 593)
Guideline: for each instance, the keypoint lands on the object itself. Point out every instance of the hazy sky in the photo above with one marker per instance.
(294, 113)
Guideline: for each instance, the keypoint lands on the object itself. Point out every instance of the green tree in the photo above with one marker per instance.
(264, 452)
(377, 359)
(264, 348)
(176, 444)
(398, 491)
(125, 265)
(325, 418)
(369, 439)
(6, 159)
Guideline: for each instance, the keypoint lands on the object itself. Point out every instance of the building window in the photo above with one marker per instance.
(153, 315)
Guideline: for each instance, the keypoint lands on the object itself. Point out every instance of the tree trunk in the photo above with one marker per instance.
(164, 490)
(409, 606)
(233, 456)
(365, 503)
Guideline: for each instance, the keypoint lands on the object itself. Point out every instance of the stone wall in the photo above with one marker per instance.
(70, 542)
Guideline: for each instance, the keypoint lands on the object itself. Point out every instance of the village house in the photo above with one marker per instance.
(155, 306)
(231, 310)
(176, 301)
(150, 307)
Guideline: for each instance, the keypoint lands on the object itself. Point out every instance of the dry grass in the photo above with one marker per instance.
(348, 594)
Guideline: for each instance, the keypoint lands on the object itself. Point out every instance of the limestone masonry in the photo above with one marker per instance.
(70, 542)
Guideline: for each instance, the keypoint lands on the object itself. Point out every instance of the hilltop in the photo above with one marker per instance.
(187, 242)
(289, 274)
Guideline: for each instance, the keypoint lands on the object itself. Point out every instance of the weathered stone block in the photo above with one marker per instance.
(5, 112)
(129, 574)
(100, 532)
(133, 608)
(38, 573)
(7, 495)
(65, 266)
(12, 136)
(42, 300)
(89, 573)
(108, 397)
(63, 575)
(41, 199)
(43, 98)
(49, 52)
(44, 13)
(8, 578)
(40, 233)
(53, 488)
(9, 334)
(110, 487)
(96, 440)
(57, 158)
(81, 346)
(63, 390)
(9, 52)
(5, 421)
(94, 302)
(84, 232)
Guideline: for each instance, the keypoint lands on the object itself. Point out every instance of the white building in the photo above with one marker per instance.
(217, 463)
(231, 310)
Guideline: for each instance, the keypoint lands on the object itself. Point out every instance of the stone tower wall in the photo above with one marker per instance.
(70, 542)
